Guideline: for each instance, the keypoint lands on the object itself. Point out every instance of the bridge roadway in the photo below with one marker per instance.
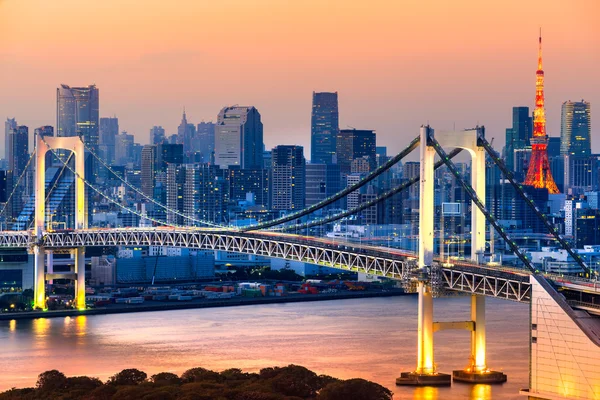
(461, 275)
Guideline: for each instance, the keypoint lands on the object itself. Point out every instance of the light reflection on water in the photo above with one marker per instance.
(373, 339)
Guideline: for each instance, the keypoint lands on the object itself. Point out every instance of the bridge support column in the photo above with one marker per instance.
(477, 371)
(425, 374)
(80, 282)
(50, 264)
(39, 288)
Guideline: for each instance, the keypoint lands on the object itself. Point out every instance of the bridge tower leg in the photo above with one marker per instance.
(425, 373)
(75, 145)
(39, 290)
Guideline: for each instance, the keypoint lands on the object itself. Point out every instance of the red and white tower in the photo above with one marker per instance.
(539, 174)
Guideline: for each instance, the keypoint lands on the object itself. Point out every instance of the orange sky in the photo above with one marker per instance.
(396, 64)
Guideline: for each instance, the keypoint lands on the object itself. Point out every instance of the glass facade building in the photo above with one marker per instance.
(324, 128)
(575, 128)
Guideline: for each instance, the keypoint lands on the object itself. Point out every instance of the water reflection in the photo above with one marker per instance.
(426, 393)
(328, 338)
(481, 392)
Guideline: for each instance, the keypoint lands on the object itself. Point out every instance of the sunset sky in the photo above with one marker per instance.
(395, 64)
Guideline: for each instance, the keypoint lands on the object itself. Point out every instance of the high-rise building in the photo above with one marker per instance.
(18, 155)
(157, 135)
(148, 160)
(352, 144)
(239, 138)
(9, 124)
(167, 153)
(518, 136)
(539, 174)
(109, 129)
(77, 114)
(324, 128)
(204, 141)
(185, 133)
(576, 128)
(244, 181)
(175, 189)
(322, 181)
(288, 178)
(123, 148)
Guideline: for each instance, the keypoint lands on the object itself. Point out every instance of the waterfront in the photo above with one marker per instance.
(369, 338)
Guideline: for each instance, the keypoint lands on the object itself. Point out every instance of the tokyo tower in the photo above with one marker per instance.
(539, 174)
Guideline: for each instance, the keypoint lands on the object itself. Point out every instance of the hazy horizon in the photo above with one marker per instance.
(395, 66)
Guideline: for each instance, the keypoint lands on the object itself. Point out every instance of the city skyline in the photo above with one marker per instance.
(150, 74)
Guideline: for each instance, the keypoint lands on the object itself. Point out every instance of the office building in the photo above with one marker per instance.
(204, 141)
(18, 156)
(324, 128)
(576, 129)
(148, 168)
(109, 129)
(239, 138)
(167, 153)
(288, 178)
(157, 135)
(3, 193)
(185, 133)
(352, 144)
(581, 173)
(244, 181)
(587, 230)
(322, 181)
(9, 124)
(124, 148)
(518, 136)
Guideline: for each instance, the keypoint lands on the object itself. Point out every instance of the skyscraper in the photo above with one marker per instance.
(18, 155)
(77, 114)
(288, 180)
(77, 110)
(185, 133)
(239, 138)
(539, 174)
(109, 129)
(148, 160)
(352, 144)
(10, 123)
(324, 127)
(576, 128)
(157, 135)
(204, 142)
(518, 136)
(167, 153)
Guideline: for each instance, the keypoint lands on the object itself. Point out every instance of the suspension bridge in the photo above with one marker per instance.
(564, 335)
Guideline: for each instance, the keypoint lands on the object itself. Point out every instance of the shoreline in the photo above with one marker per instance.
(168, 306)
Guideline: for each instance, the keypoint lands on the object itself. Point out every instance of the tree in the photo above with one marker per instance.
(129, 376)
(50, 381)
(293, 380)
(165, 378)
(200, 374)
(356, 389)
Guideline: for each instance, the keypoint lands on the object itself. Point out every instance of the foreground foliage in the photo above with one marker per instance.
(288, 383)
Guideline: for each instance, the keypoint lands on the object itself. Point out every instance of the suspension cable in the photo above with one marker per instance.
(384, 196)
(509, 175)
(471, 193)
(132, 211)
(146, 197)
(323, 203)
(18, 182)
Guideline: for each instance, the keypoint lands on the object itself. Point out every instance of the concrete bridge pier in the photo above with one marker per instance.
(39, 295)
(80, 280)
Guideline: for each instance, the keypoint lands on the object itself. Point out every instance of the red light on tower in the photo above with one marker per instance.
(539, 174)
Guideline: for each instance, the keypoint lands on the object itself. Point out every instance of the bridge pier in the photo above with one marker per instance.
(477, 371)
(39, 296)
(80, 282)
